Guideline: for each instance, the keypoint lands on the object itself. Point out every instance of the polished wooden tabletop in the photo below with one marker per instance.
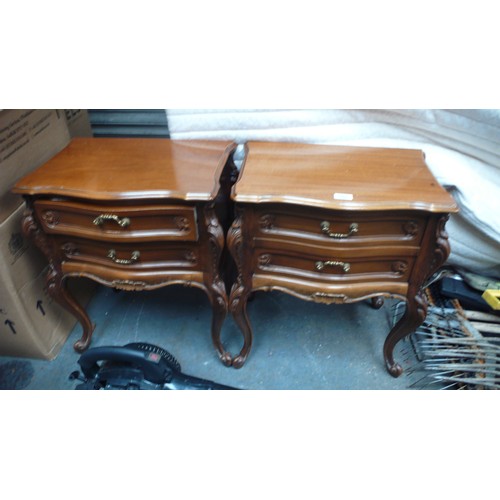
(340, 177)
(126, 168)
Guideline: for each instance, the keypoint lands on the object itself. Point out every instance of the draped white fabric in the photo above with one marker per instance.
(462, 149)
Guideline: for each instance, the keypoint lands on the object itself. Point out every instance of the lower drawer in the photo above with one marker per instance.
(315, 264)
(173, 256)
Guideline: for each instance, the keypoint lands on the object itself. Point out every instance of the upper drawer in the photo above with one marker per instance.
(343, 228)
(118, 223)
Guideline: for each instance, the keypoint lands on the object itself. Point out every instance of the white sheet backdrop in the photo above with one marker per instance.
(462, 149)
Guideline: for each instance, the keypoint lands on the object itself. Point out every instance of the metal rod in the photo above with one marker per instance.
(483, 382)
(458, 355)
(464, 368)
(461, 341)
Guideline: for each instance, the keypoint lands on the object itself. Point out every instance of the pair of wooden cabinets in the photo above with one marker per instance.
(324, 223)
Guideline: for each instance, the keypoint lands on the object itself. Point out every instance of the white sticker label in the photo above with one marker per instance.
(343, 196)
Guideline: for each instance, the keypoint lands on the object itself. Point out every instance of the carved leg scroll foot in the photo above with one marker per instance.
(83, 343)
(238, 306)
(395, 369)
(377, 302)
(57, 289)
(416, 310)
(218, 299)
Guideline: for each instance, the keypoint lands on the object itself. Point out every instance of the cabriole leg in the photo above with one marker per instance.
(238, 305)
(241, 289)
(56, 281)
(58, 290)
(218, 300)
(214, 285)
(416, 310)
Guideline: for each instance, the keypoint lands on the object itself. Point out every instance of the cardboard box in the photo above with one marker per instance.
(28, 138)
(78, 122)
(32, 325)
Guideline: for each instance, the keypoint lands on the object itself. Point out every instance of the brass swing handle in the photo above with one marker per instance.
(325, 227)
(320, 265)
(122, 222)
(134, 258)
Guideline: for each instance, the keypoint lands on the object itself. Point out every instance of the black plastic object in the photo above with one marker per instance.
(136, 366)
(468, 297)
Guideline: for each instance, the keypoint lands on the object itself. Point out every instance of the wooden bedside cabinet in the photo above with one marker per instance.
(337, 225)
(133, 214)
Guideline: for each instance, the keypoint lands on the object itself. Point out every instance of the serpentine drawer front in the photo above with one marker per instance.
(335, 224)
(336, 227)
(323, 264)
(128, 256)
(119, 223)
(133, 214)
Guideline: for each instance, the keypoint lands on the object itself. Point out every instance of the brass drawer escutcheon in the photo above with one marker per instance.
(320, 265)
(325, 228)
(134, 258)
(122, 222)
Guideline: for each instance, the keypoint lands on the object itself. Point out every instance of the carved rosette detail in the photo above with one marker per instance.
(399, 267)
(190, 256)
(51, 218)
(410, 228)
(70, 249)
(264, 260)
(266, 222)
(182, 223)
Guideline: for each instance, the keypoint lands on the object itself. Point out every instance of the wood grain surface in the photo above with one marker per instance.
(131, 169)
(340, 177)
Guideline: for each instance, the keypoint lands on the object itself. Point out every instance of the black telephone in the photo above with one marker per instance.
(136, 366)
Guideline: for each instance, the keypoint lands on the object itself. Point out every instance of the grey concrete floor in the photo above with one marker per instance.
(297, 344)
